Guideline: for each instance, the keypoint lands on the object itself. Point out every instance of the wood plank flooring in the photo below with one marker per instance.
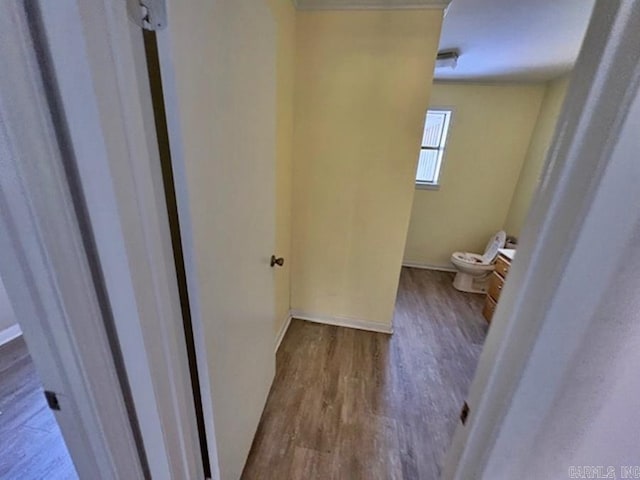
(348, 404)
(31, 445)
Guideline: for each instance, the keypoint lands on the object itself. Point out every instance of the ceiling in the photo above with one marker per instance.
(513, 40)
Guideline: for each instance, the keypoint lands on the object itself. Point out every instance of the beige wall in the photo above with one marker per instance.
(284, 13)
(362, 87)
(490, 131)
(536, 155)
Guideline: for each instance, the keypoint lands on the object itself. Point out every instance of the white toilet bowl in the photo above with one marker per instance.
(474, 269)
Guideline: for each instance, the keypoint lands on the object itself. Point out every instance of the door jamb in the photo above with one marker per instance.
(46, 264)
(178, 160)
(111, 102)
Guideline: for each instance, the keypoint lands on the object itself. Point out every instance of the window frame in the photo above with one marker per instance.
(441, 149)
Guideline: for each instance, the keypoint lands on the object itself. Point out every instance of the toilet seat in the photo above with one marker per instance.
(470, 258)
(493, 246)
(490, 253)
(474, 269)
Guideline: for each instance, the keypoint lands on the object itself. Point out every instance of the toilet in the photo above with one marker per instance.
(474, 269)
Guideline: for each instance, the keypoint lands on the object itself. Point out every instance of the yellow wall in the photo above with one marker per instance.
(284, 14)
(361, 90)
(489, 134)
(536, 155)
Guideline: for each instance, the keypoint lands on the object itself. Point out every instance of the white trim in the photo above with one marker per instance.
(46, 262)
(100, 68)
(409, 6)
(372, 7)
(10, 333)
(427, 186)
(426, 266)
(282, 332)
(342, 321)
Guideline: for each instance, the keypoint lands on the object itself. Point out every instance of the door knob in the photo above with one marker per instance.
(276, 261)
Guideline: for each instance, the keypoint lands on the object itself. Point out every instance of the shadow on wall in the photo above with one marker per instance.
(9, 328)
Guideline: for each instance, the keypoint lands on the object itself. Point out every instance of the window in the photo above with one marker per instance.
(432, 148)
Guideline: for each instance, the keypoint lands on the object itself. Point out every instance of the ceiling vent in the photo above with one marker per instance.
(447, 59)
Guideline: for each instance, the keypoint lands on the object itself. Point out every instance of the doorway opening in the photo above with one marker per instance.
(31, 444)
(478, 169)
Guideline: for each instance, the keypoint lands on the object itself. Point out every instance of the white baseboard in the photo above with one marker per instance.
(282, 332)
(438, 268)
(10, 333)
(339, 321)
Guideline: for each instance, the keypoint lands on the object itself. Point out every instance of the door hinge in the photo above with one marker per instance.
(52, 400)
(149, 14)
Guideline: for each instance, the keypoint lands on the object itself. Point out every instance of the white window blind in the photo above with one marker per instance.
(432, 148)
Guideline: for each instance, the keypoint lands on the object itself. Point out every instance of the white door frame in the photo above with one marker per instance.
(47, 270)
(126, 205)
(102, 245)
(587, 170)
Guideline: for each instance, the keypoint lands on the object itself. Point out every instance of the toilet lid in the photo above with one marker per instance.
(495, 243)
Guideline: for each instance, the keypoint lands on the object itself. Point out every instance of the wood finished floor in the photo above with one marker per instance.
(354, 405)
(31, 445)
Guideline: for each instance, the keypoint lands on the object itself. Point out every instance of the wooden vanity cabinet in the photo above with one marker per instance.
(496, 283)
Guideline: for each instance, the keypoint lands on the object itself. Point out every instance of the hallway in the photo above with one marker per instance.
(350, 404)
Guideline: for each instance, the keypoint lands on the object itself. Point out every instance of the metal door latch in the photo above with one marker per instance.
(464, 413)
(149, 14)
(52, 400)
